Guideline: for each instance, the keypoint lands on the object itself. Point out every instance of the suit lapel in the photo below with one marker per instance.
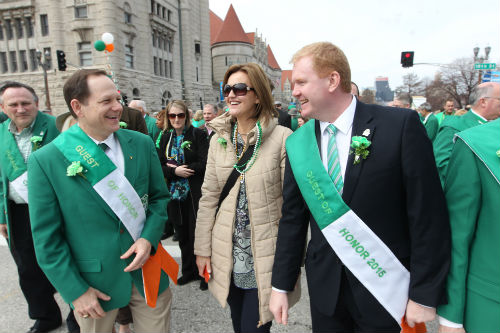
(40, 127)
(129, 156)
(361, 126)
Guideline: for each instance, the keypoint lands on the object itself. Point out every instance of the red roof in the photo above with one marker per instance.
(215, 25)
(231, 30)
(271, 60)
(251, 37)
(286, 74)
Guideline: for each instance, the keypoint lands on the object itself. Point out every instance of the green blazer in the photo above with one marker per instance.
(443, 143)
(3, 117)
(473, 195)
(151, 125)
(45, 124)
(431, 126)
(441, 116)
(78, 239)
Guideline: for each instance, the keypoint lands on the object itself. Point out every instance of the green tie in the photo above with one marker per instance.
(103, 146)
(333, 160)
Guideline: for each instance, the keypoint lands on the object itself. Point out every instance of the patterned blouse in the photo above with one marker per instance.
(243, 267)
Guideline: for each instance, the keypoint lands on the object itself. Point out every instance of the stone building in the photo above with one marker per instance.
(230, 44)
(161, 47)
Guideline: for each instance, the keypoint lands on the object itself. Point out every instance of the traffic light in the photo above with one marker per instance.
(61, 60)
(407, 58)
(124, 100)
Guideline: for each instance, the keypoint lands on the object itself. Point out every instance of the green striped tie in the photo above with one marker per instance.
(333, 160)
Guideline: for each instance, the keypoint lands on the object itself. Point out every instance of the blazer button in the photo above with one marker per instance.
(121, 230)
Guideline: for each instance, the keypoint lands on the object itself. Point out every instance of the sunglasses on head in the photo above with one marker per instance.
(239, 89)
(175, 115)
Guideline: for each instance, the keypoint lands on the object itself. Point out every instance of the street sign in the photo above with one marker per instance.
(491, 76)
(485, 66)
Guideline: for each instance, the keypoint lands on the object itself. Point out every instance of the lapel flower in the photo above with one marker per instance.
(36, 140)
(123, 124)
(223, 142)
(498, 153)
(186, 145)
(75, 168)
(360, 146)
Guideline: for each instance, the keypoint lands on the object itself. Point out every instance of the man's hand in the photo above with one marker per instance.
(446, 329)
(279, 306)
(203, 262)
(88, 304)
(416, 313)
(142, 250)
(183, 171)
(3, 230)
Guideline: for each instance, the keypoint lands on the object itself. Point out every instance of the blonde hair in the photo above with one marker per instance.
(260, 83)
(198, 115)
(326, 58)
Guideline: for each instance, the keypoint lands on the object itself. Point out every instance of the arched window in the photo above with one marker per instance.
(136, 93)
(165, 98)
(127, 12)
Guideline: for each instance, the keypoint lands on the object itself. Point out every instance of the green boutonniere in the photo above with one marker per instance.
(36, 140)
(186, 145)
(75, 168)
(498, 153)
(223, 142)
(360, 146)
(123, 124)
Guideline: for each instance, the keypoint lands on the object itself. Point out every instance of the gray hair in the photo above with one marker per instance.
(425, 106)
(140, 104)
(480, 91)
(214, 109)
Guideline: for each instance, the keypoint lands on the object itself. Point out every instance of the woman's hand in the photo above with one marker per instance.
(183, 171)
(203, 262)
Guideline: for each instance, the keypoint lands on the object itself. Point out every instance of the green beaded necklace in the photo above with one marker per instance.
(252, 159)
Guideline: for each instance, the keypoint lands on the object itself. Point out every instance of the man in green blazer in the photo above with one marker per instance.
(140, 105)
(26, 131)
(483, 109)
(429, 120)
(448, 111)
(473, 196)
(98, 205)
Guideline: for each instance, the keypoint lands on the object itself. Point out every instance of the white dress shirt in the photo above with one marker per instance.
(343, 136)
(114, 151)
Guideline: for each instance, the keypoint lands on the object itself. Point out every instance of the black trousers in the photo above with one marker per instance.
(244, 304)
(347, 316)
(37, 289)
(183, 214)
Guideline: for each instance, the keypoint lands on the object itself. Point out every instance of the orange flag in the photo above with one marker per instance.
(418, 328)
(151, 272)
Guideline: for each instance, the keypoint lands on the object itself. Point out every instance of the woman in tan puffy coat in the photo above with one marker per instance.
(236, 241)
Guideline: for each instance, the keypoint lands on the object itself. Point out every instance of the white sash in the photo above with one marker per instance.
(122, 198)
(20, 184)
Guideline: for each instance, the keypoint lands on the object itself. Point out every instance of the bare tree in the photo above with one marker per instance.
(367, 96)
(458, 79)
(412, 85)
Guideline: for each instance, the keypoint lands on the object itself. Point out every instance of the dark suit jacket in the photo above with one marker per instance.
(284, 119)
(134, 119)
(396, 192)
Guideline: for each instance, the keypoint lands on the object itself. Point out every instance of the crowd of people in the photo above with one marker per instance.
(401, 205)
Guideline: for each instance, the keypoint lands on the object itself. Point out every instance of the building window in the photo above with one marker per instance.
(169, 45)
(166, 68)
(3, 62)
(33, 60)
(44, 23)
(129, 56)
(165, 98)
(81, 11)
(160, 63)
(29, 27)
(160, 42)
(8, 29)
(163, 11)
(152, 7)
(226, 61)
(24, 61)
(13, 61)
(45, 51)
(170, 69)
(19, 28)
(154, 40)
(197, 47)
(136, 93)
(197, 75)
(85, 53)
(155, 65)
(127, 10)
(1, 32)
(158, 9)
(169, 15)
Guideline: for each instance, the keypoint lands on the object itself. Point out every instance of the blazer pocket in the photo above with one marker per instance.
(89, 265)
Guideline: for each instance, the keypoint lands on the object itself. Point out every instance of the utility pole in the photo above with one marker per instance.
(481, 60)
(45, 65)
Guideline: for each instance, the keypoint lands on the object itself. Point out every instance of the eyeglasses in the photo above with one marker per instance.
(498, 98)
(239, 89)
(175, 115)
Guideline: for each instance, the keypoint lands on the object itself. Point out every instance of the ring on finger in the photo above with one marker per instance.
(85, 316)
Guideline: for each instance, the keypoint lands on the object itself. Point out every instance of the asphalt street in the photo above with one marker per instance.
(193, 310)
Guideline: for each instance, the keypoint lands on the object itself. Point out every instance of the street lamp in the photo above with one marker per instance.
(45, 65)
(481, 59)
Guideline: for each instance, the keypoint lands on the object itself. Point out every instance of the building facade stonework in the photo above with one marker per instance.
(161, 47)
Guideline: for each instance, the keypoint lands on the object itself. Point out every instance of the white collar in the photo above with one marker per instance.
(344, 121)
(477, 114)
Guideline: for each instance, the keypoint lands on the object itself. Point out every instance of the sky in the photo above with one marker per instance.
(373, 33)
